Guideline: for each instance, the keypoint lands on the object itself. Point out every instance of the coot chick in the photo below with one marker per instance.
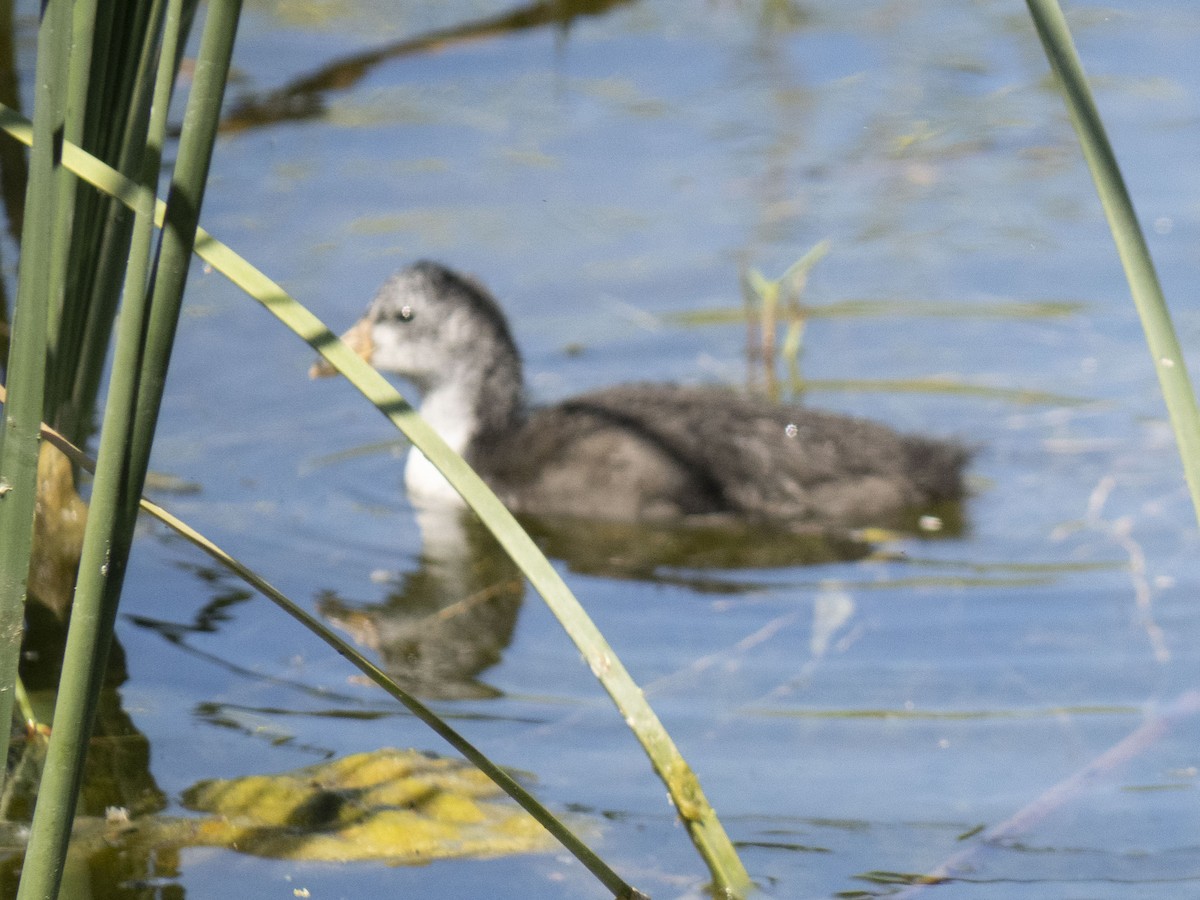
(637, 452)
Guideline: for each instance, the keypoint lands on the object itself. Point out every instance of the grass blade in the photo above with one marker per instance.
(1131, 244)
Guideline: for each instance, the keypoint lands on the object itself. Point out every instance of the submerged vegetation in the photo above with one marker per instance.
(95, 239)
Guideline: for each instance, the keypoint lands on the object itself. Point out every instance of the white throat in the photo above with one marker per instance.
(449, 410)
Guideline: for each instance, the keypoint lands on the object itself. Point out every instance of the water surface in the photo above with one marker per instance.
(605, 175)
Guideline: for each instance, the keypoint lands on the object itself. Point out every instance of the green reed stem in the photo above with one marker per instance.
(182, 219)
(82, 32)
(141, 250)
(144, 340)
(27, 360)
(1168, 359)
(133, 47)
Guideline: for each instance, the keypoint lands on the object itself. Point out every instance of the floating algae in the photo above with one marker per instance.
(399, 807)
(396, 806)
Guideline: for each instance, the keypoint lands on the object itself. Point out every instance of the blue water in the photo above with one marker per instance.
(844, 718)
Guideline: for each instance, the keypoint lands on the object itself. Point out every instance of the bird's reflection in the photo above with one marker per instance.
(438, 628)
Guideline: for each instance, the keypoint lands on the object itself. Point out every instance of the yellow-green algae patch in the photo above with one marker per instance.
(395, 806)
(400, 807)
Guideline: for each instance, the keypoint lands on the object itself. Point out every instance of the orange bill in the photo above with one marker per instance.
(358, 339)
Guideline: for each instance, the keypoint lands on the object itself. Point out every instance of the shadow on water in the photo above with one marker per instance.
(650, 553)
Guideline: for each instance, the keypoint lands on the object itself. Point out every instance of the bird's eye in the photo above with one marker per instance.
(406, 313)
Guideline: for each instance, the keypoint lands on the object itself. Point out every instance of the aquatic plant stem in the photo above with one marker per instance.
(27, 360)
(121, 79)
(1147, 293)
(145, 336)
(75, 102)
(182, 216)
